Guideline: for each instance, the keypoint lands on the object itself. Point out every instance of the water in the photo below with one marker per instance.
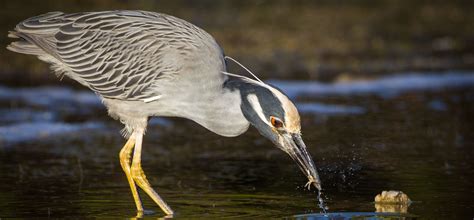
(59, 155)
(355, 215)
(321, 204)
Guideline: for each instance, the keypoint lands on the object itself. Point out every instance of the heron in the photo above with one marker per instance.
(147, 64)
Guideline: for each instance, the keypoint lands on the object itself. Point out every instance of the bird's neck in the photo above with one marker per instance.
(219, 111)
(249, 90)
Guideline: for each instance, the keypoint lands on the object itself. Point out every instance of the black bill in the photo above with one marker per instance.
(297, 151)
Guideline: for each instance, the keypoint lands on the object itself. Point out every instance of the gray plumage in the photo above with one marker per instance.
(145, 64)
(128, 56)
(117, 54)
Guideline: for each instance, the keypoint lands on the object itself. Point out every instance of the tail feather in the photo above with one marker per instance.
(35, 36)
(31, 44)
(22, 45)
(12, 34)
(25, 48)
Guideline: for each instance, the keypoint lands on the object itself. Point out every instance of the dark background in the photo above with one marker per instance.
(318, 40)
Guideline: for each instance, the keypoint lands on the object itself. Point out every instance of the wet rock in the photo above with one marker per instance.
(392, 201)
(392, 197)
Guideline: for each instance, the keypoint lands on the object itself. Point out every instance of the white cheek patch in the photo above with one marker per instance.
(292, 118)
(253, 100)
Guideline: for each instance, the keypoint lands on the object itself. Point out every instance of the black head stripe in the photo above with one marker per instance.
(270, 104)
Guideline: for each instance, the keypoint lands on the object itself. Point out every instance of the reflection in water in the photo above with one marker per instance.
(355, 215)
(391, 207)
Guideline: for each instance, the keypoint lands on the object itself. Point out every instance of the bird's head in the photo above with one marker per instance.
(276, 118)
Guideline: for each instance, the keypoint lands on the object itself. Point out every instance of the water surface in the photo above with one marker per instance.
(59, 154)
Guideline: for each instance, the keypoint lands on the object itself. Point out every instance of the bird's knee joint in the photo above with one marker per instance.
(139, 176)
(141, 180)
(137, 172)
(124, 156)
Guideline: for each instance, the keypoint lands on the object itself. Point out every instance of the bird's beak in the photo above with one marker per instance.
(295, 147)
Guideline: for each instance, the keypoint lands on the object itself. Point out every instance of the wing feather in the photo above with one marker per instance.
(117, 54)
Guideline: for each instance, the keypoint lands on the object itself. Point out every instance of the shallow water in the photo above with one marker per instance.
(59, 155)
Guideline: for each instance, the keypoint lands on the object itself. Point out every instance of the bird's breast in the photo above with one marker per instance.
(214, 108)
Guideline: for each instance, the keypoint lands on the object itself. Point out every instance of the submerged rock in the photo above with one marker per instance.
(392, 201)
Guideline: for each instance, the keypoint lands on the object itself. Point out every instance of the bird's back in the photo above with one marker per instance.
(124, 55)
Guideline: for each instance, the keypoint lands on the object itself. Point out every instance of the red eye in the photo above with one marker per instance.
(277, 123)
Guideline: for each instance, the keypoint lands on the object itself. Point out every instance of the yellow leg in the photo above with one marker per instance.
(125, 155)
(139, 176)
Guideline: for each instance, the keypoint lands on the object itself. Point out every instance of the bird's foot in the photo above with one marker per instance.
(309, 183)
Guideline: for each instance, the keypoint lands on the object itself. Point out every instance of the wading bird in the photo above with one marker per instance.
(143, 64)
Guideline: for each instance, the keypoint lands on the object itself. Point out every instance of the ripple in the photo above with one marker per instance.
(386, 87)
(30, 131)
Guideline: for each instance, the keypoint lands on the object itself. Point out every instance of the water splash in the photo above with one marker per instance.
(321, 204)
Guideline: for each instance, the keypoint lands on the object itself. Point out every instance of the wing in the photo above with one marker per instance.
(120, 54)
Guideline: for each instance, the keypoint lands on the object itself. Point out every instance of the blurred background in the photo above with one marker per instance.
(318, 40)
(385, 89)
